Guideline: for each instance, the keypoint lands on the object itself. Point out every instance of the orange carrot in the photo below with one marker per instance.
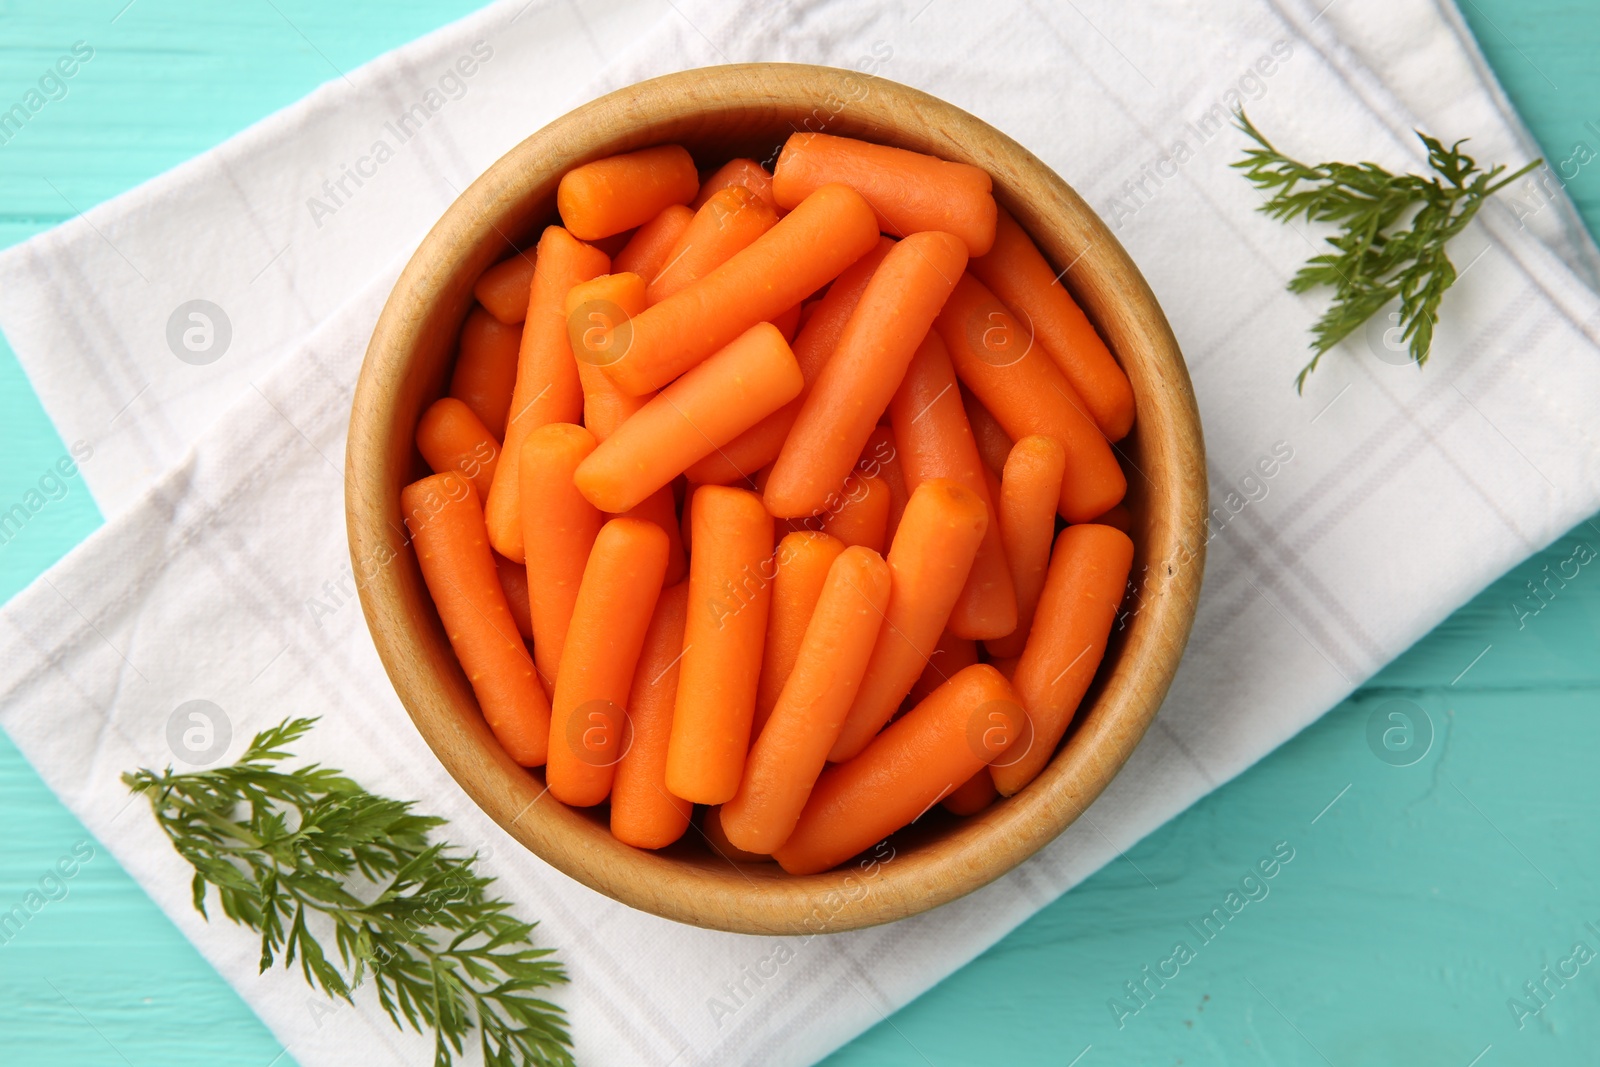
(1030, 488)
(548, 389)
(931, 554)
(486, 368)
(934, 441)
(643, 813)
(514, 583)
(880, 459)
(858, 380)
(685, 513)
(730, 590)
(788, 323)
(588, 721)
(727, 224)
(1016, 272)
(613, 244)
(792, 748)
(1027, 394)
(503, 288)
(801, 562)
(741, 172)
(759, 445)
(716, 840)
(991, 482)
(973, 795)
(1006, 666)
(451, 438)
(447, 530)
(909, 192)
(561, 527)
(705, 409)
(809, 246)
(597, 313)
(660, 508)
(993, 444)
(618, 193)
(952, 654)
(809, 306)
(646, 253)
(919, 760)
(1082, 592)
(1119, 517)
(862, 518)
(758, 482)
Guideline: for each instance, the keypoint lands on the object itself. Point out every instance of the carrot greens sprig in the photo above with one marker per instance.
(1393, 233)
(291, 853)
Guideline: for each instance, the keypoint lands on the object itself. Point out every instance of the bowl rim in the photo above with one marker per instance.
(506, 201)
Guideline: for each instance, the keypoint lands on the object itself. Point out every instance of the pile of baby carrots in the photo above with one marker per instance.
(790, 494)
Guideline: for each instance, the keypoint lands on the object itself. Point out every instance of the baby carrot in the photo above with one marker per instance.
(952, 654)
(855, 385)
(613, 244)
(660, 508)
(760, 444)
(486, 367)
(643, 813)
(971, 796)
(588, 723)
(514, 584)
(931, 554)
(832, 229)
(880, 459)
(919, 760)
(647, 250)
(729, 595)
(597, 313)
(788, 323)
(934, 441)
(727, 224)
(716, 840)
(1016, 272)
(993, 444)
(503, 288)
(561, 527)
(1119, 517)
(792, 748)
(801, 564)
(742, 172)
(548, 389)
(701, 411)
(1027, 394)
(1006, 666)
(451, 438)
(1029, 489)
(862, 517)
(618, 193)
(910, 192)
(685, 514)
(447, 530)
(1082, 592)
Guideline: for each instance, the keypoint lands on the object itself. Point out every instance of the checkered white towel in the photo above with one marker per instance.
(221, 573)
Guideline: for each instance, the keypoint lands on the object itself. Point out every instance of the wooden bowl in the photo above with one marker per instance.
(720, 113)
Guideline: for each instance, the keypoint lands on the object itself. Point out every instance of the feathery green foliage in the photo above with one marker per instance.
(289, 850)
(1393, 233)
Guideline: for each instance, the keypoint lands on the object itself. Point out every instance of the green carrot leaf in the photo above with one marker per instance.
(1393, 229)
(295, 853)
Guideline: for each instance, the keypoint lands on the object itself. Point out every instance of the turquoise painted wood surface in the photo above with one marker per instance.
(1419, 898)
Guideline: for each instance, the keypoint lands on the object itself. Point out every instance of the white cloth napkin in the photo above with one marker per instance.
(222, 573)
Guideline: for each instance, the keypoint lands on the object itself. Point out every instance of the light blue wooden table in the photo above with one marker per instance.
(1408, 918)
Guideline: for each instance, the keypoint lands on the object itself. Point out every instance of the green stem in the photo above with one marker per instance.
(1502, 183)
